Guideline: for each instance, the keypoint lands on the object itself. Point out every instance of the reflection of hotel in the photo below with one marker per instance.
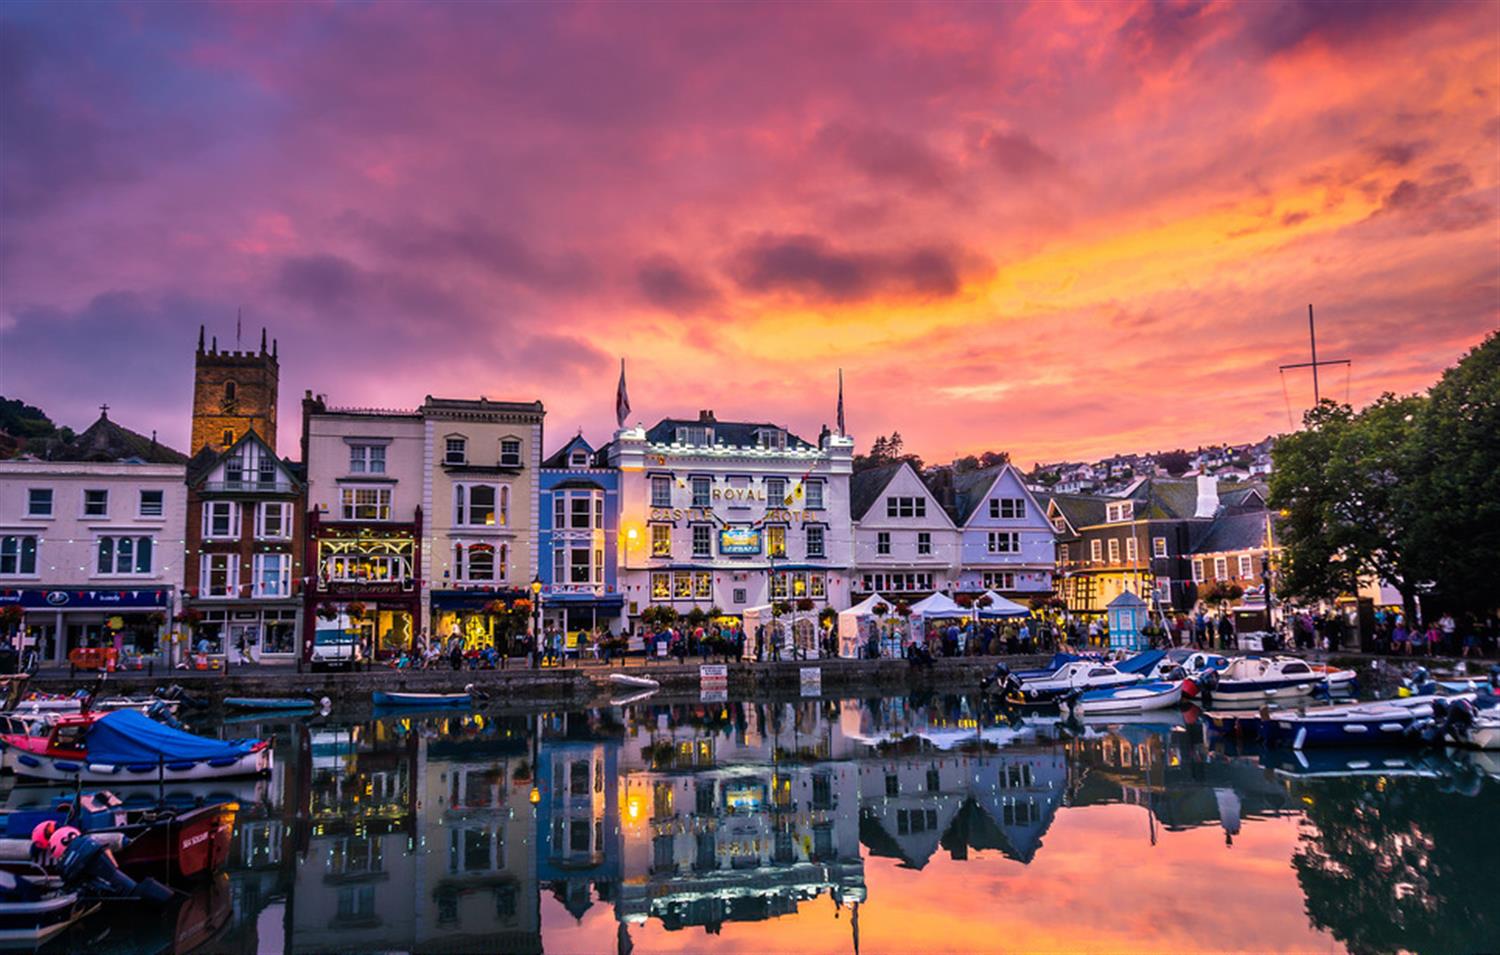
(732, 515)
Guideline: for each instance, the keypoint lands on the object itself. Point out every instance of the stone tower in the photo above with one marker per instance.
(233, 392)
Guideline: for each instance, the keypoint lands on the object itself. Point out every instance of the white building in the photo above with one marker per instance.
(1008, 543)
(732, 515)
(92, 542)
(905, 543)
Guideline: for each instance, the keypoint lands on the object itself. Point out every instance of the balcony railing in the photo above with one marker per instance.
(255, 487)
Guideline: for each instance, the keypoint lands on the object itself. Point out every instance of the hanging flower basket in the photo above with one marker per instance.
(521, 605)
(190, 618)
(328, 612)
(10, 617)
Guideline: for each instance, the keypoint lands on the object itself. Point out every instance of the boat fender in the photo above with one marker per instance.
(67, 767)
(58, 843)
(222, 761)
(181, 766)
(103, 769)
(325, 704)
(41, 839)
(27, 760)
(141, 768)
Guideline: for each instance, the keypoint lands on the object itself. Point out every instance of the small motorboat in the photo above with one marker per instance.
(271, 703)
(34, 909)
(1046, 690)
(1194, 662)
(636, 682)
(1253, 680)
(402, 698)
(1124, 700)
(128, 747)
(1338, 681)
(1369, 724)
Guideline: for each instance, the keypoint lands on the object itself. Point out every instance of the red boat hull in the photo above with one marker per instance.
(190, 847)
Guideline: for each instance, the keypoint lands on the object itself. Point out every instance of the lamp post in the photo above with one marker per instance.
(536, 626)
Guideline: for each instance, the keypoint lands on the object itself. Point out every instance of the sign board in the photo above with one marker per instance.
(713, 676)
(740, 541)
(812, 681)
(661, 649)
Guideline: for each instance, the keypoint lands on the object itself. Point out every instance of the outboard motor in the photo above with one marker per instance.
(1432, 729)
(1204, 684)
(88, 864)
(162, 713)
(1460, 719)
(996, 678)
(1176, 674)
(1420, 683)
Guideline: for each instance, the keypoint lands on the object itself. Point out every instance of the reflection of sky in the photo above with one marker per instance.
(1098, 885)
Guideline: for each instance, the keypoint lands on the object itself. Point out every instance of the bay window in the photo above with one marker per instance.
(579, 570)
(474, 505)
(221, 520)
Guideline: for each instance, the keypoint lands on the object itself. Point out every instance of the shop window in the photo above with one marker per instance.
(124, 555)
(96, 503)
(817, 586)
(17, 555)
(661, 586)
(280, 631)
(152, 504)
(682, 586)
(39, 502)
(703, 585)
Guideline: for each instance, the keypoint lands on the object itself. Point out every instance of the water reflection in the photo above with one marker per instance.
(811, 824)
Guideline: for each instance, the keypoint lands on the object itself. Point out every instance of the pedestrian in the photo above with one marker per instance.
(1399, 643)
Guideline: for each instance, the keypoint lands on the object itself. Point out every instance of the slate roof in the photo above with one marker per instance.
(559, 458)
(866, 487)
(734, 434)
(1081, 510)
(105, 441)
(969, 490)
(203, 463)
(1244, 530)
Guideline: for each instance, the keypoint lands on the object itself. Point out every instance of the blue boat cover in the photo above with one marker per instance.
(1142, 662)
(127, 736)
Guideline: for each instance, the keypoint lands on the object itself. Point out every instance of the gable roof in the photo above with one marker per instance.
(734, 434)
(971, 488)
(866, 487)
(1080, 510)
(104, 441)
(561, 458)
(205, 461)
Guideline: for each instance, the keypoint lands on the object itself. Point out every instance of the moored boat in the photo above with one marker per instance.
(1373, 723)
(1124, 700)
(268, 703)
(1047, 690)
(127, 747)
(640, 682)
(34, 910)
(403, 698)
(1254, 680)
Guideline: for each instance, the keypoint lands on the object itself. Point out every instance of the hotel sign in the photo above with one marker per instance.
(739, 541)
(773, 515)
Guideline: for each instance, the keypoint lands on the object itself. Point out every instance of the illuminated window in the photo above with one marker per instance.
(474, 505)
(776, 540)
(1158, 547)
(661, 586)
(661, 540)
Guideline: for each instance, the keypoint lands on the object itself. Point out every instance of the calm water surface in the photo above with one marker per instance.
(886, 825)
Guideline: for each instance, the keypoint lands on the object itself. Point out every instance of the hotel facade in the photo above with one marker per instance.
(732, 515)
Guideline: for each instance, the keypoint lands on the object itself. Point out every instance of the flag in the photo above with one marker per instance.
(622, 400)
(841, 401)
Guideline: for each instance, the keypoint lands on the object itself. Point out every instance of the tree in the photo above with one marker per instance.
(1455, 515)
(991, 459)
(1175, 463)
(1342, 486)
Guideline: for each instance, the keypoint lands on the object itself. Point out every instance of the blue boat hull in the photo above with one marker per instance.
(266, 703)
(1381, 729)
(381, 698)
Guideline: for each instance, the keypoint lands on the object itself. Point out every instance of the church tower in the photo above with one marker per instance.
(233, 392)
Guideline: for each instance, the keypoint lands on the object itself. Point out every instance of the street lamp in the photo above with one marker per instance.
(536, 626)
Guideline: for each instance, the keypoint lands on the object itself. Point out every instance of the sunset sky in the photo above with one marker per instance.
(1058, 229)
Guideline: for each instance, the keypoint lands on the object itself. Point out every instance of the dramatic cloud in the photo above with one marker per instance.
(1057, 228)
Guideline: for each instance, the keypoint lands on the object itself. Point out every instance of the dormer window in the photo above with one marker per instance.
(510, 452)
(695, 435)
(578, 459)
(456, 451)
(770, 439)
(1115, 513)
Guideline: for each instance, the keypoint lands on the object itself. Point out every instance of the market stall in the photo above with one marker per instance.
(934, 608)
(999, 607)
(859, 625)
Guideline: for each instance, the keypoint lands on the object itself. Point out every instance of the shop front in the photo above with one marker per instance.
(364, 578)
(579, 610)
(465, 613)
(57, 621)
(261, 633)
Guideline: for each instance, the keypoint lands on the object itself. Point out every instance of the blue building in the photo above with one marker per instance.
(578, 539)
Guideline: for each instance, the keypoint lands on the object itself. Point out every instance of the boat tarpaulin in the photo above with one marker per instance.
(127, 736)
(1141, 662)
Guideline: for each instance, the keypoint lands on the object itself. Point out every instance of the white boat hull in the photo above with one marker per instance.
(1127, 702)
(51, 768)
(638, 682)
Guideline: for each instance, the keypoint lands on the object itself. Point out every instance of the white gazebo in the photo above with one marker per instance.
(936, 606)
(858, 623)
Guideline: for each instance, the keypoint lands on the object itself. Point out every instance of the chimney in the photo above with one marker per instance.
(706, 417)
(1208, 496)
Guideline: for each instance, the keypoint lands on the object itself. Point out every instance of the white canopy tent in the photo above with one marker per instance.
(858, 623)
(1001, 607)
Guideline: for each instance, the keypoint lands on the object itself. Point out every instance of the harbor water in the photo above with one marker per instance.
(901, 824)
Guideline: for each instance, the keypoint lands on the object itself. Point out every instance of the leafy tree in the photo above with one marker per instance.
(1175, 463)
(1454, 527)
(990, 459)
(1343, 488)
